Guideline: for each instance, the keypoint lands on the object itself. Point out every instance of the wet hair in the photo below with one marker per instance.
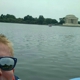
(5, 40)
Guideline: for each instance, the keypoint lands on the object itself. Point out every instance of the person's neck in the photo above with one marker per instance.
(13, 78)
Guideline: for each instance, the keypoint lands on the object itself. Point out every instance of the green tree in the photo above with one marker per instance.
(40, 19)
(54, 21)
(10, 16)
(28, 19)
(62, 20)
(48, 21)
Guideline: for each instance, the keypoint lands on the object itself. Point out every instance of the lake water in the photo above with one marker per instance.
(44, 53)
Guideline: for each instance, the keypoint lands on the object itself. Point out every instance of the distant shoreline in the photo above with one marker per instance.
(43, 24)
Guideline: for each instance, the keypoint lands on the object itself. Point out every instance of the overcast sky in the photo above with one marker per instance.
(54, 9)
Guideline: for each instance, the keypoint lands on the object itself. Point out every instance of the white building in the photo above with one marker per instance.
(71, 20)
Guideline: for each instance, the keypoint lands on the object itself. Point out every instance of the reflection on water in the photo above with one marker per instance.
(45, 53)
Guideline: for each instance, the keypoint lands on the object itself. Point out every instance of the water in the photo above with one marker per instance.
(44, 53)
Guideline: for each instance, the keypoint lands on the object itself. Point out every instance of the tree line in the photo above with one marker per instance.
(27, 19)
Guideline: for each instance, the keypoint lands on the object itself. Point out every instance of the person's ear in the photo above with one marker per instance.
(13, 70)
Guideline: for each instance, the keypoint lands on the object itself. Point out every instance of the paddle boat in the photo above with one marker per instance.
(50, 25)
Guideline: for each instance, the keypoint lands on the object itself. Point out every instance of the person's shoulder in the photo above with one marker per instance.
(17, 78)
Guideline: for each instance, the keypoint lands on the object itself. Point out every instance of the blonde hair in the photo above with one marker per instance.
(4, 40)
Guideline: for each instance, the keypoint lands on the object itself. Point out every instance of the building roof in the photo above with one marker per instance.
(71, 16)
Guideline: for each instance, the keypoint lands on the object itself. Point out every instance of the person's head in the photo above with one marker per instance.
(7, 62)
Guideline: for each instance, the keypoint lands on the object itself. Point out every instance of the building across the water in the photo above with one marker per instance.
(71, 20)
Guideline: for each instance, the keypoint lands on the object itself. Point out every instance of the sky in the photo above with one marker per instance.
(54, 9)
